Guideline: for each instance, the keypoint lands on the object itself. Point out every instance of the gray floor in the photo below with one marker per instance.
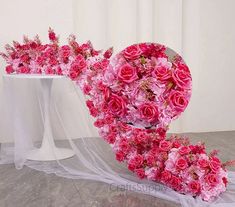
(30, 188)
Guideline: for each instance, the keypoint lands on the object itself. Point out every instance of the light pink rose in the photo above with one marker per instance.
(117, 105)
(132, 52)
(149, 112)
(127, 73)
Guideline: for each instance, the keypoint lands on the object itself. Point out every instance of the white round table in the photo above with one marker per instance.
(48, 150)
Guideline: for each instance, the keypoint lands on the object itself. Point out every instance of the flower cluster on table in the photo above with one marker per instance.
(133, 96)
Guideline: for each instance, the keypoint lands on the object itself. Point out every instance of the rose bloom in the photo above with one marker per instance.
(132, 52)
(162, 73)
(194, 187)
(149, 112)
(184, 150)
(140, 173)
(52, 36)
(127, 73)
(165, 176)
(182, 78)
(175, 183)
(23, 69)
(117, 105)
(9, 69)
(80, 62)
(203, 163)
(181, 163)
(73, 74)
(178, 101)
(212, 179)
(120, 156)
(165, 145)
(214, 166)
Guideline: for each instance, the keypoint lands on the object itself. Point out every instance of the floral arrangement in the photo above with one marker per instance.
(133, 96)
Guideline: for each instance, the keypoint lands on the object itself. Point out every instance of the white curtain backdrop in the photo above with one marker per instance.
(202, 31)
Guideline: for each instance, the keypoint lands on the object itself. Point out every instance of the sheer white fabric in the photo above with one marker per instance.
(93, 158)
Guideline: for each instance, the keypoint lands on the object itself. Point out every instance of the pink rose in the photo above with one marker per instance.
(132, 52)
(175, 183)
(165, 176)
(23, 69)
(212, 179)
(52, 35)
(181, 163)
(214, 166)
(184, 150)
(140, 173)
(73, 74)
(120, 156)
(9, 69)
(203, 163)
(80, 62)
(117, 105)
(108, 53)
(49, 71)
(194, 187)
(149, 112)
(127, 73)
(165, 145)
(150, 160)
(182, 78)
(178, 101)
(162, 73)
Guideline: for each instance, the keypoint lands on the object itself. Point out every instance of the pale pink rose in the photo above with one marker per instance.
(117, 105)
(149, 112)
(127, 73)
(132, 52)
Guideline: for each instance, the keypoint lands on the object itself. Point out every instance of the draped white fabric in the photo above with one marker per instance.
(202, 31)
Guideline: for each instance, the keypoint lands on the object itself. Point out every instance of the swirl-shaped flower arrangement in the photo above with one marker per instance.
(133, 97)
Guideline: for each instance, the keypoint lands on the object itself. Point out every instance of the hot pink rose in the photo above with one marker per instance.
(132, 52)
(215, 166)
(149, 112)
(120, 156)
(117, 105)
(23, 69)
(212, 179)
(165, 145)
(203, 163)
(162, 73)
(165, 176)
(49, 71)
(175, 183)
(52, 36)
(181, 163)
(9, 69)
(182, 77)
(194, 187)
(184, 150)
(80, 62)
(127, 73)
(140, 173)
(73, 74)
(178, 101)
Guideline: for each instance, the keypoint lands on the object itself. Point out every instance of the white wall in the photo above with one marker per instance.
(203, 31)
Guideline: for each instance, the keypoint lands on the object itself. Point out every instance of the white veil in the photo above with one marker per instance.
(22, 122)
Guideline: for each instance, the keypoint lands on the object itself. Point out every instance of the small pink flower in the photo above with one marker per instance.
(23, 69)
(9, 69)
(140, 173)
(120, 156)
